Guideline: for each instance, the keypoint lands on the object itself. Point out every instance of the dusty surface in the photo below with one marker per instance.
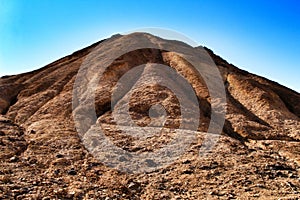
(42, 156)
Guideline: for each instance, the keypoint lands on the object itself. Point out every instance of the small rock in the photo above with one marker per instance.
(188, 171)
(231, 196)
(151, 163)
(13, 159)
(122, 159)
(292, 176)
(134, 186)
(59, 156)
(72, 172)
(260, 185)
(72, 192)
(186, 162)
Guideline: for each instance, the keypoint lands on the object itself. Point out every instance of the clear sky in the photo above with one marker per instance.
(260, 36)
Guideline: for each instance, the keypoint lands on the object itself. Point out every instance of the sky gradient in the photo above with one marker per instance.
(260, 36)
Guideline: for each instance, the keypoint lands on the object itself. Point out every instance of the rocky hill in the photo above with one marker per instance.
(257, 155)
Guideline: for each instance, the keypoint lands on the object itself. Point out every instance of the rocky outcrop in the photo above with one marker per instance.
(42, 155)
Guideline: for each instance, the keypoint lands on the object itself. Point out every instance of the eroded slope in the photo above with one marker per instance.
(258, 154)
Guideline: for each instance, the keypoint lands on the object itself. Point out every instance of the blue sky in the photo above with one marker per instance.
(260, 36)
